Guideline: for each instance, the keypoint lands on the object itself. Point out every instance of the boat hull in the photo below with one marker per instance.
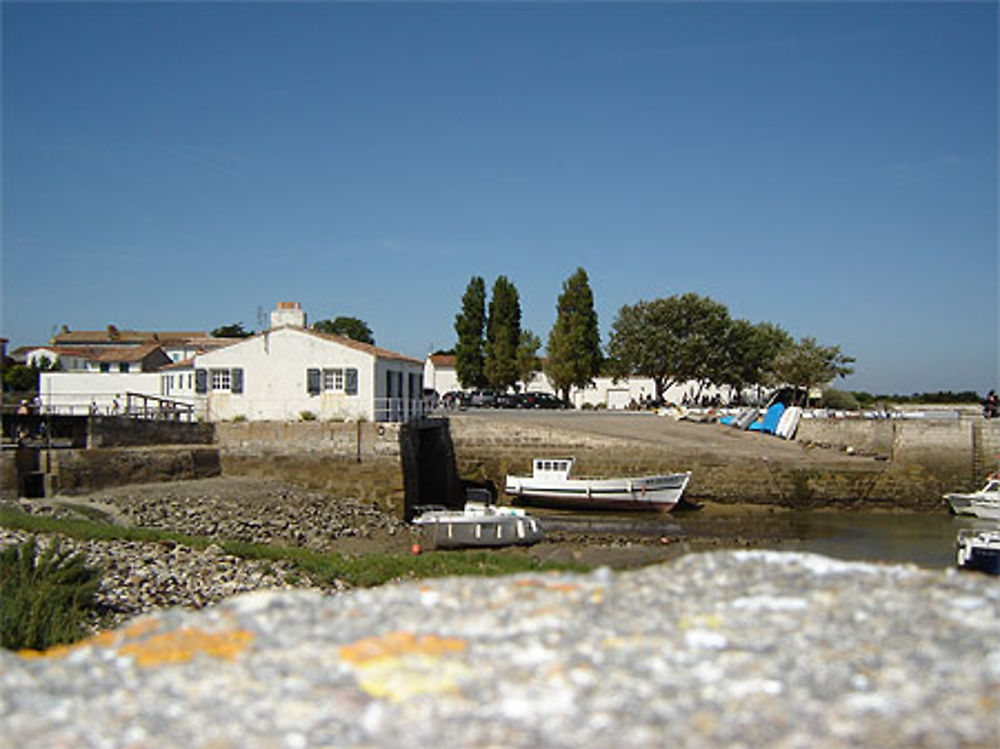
(455, 530)
(975, 505)
(979, 551)
(645, 493)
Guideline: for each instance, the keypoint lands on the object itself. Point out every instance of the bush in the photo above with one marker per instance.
(44, 596)
(307, 416)
(840, 400)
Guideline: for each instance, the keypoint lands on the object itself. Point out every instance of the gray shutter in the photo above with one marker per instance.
(313, 381)
(351, 381)
(201, 381)
(236, 383)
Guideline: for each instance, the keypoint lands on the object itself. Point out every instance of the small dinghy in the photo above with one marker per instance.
(479, 524)
(979, 550)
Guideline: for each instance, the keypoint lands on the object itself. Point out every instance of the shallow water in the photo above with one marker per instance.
(921, 539)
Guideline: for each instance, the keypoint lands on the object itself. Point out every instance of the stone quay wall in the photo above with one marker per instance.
(969, 443)
(896, 463)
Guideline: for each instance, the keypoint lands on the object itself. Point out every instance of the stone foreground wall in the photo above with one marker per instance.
(751, 649)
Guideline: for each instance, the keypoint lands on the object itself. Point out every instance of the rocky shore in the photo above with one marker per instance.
(726, 649)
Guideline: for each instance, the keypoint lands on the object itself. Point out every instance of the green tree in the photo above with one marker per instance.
(349, 327)
(806, 364)
(574, 348)
(24, 379)
(750, 353)
(670, 340)
(528, 363)
(236, 330)
(470, 325)
(503, 335)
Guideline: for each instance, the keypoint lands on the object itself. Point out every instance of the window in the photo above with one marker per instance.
(333, 379)
(221, 379)
(123, 366)
(336, 380)
(105, 367)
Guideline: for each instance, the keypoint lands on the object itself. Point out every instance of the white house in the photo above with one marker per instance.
(292, 373)
(440, 375)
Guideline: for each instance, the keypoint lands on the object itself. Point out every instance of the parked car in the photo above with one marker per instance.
(543, 400)
(508, 400)
(483, 399)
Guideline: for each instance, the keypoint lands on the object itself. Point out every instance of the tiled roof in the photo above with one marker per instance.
(368, 348)
(124, 353)
(183, 364)
(128, 337)
(443, 360)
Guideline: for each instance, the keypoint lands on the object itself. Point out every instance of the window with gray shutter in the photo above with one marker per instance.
(236, 383)
(314, 381)
(351, 381)
(201, 381)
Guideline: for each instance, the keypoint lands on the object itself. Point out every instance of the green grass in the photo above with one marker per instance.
(360, 570)
(45, 596)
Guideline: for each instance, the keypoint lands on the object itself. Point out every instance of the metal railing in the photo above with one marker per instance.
(396, 410)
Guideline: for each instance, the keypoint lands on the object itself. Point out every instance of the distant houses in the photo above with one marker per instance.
(285, 373)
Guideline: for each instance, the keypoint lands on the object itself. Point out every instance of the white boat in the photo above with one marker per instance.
(479, 524)
(550, 484)
(984, 503)
(979, 550)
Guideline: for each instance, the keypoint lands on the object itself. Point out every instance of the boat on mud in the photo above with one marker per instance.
(984, 503)
(979, 550)
(552, 485)
(478, 525)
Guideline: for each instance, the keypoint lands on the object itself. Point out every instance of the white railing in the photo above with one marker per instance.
(400, 409)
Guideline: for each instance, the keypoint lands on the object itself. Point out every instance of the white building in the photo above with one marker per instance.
(440, 375)
(123, 359)
(285, 373)
(293, 373)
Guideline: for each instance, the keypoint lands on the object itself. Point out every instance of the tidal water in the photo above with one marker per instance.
(921, 539)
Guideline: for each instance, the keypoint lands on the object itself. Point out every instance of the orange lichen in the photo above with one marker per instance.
(397, 644)
(558, 587)
(181, 645)
(104, 639)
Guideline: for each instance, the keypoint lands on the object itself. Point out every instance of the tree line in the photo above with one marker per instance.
(681, 338)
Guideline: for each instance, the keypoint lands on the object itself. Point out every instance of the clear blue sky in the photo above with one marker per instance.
(829, 167)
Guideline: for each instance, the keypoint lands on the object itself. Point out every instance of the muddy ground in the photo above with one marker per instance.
(271, 511)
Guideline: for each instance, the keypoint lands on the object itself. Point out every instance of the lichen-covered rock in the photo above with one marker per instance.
(751, 649)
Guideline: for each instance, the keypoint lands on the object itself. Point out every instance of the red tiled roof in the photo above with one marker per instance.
(444, 360)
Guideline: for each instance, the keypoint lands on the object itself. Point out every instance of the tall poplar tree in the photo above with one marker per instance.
(470, 324)
(574, 349)
(503, 335)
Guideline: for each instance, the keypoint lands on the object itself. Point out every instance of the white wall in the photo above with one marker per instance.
(275, 368)
(76, 392)
(441, 379)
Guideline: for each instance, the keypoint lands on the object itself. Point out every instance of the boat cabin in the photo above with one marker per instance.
(549, 468)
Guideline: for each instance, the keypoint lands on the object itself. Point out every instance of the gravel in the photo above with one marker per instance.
(727, 649)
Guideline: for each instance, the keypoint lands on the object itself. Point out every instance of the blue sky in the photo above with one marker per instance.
(828, 167)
